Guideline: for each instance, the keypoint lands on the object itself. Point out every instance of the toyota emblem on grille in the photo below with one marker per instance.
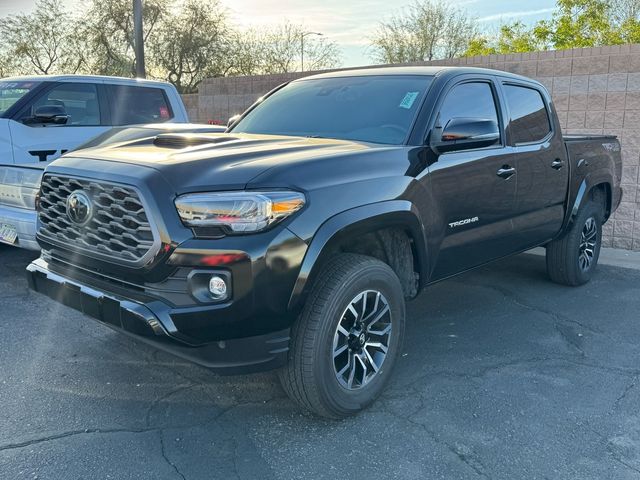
(79, 207)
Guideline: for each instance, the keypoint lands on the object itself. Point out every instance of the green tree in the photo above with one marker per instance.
(427, 30)
(480, 46)
(279, 50)
(627, 15)
(574, 24)
(192, 44)
(107, 29)
(578, 23)
(247, 52)
(511, 38)
(39, 42)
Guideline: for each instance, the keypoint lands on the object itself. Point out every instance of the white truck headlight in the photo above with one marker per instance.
(238, 212)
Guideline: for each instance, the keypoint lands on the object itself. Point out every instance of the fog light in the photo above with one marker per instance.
(218, 287)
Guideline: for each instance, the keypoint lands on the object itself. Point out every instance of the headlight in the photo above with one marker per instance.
(238, 212)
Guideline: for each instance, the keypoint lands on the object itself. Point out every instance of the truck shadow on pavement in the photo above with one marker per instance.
(503, 375)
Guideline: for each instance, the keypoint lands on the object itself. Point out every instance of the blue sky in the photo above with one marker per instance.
(347, 22)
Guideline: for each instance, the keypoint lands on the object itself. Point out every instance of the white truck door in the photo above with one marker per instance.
(42, 139)
(6, 149)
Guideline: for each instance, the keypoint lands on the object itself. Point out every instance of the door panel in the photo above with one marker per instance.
(42, 142)
(540, 158)
(474, 189)
(32, 144)
(476, 206)
(541, 192)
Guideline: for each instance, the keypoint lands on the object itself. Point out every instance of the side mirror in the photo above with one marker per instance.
(233, 120)
(55, 114)
(465, 134)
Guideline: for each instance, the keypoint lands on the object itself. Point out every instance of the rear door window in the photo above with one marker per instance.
(529, 117)
(138, 105)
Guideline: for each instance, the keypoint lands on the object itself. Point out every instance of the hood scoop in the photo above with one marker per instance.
(185, 140)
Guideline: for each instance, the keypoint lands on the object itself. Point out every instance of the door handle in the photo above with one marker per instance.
(506, 172)
(557, 164)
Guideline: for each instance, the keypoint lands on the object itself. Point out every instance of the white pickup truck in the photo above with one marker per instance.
(42, 117)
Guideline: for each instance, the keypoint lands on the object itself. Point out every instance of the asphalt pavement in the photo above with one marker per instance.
(504, 375)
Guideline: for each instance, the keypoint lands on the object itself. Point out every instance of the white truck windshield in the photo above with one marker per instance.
(11, 92)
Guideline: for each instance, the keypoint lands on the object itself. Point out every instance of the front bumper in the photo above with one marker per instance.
(25, 222)
(151, 324)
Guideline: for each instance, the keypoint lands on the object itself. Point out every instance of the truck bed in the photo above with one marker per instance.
(597, 153)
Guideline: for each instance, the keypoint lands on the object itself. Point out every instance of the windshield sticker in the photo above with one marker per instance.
(409, 98)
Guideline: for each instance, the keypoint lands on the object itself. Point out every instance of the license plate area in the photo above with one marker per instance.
(8, 233)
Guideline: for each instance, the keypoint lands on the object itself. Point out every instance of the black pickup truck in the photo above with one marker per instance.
(292, 240)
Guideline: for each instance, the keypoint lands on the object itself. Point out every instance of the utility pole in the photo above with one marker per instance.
(304, 34)
(139, 39)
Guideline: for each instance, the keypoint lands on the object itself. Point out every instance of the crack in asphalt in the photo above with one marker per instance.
(158, 400)
(568, 338)
(559, 320)
(159, 430)
(607, 368)
(620, 460)
(514, 299)
(478, 373)
(467, 459)
(164, 455)
(625, 392)
(236, 446)
(231, 432)
(615, 454)
(73, 433)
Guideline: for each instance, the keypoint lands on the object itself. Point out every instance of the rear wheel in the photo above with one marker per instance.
(347, 338)
(572, 258)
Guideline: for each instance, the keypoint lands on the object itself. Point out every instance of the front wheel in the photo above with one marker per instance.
(347, 338)
(572, 258)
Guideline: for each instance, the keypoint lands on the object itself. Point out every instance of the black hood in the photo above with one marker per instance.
(212, 161)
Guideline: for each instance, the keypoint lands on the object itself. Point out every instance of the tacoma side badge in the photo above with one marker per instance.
(466, 221)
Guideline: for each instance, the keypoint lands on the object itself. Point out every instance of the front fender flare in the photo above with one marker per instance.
(359, 220)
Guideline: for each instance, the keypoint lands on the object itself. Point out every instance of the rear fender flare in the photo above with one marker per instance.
(582, 196)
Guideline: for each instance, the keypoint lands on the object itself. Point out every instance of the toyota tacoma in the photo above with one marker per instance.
(293, 240)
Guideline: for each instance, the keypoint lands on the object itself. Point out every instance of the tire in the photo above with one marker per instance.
(568, 259)
(314, 378)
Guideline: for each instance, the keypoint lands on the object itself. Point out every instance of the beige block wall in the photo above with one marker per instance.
(595, 90)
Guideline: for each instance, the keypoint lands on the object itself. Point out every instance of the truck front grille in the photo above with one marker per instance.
(116, 226)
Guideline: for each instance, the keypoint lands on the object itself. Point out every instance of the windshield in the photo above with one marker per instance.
(11, 92)
(378, 109)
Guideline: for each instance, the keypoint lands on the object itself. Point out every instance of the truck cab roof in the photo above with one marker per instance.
(85, 78)
(431, 71)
